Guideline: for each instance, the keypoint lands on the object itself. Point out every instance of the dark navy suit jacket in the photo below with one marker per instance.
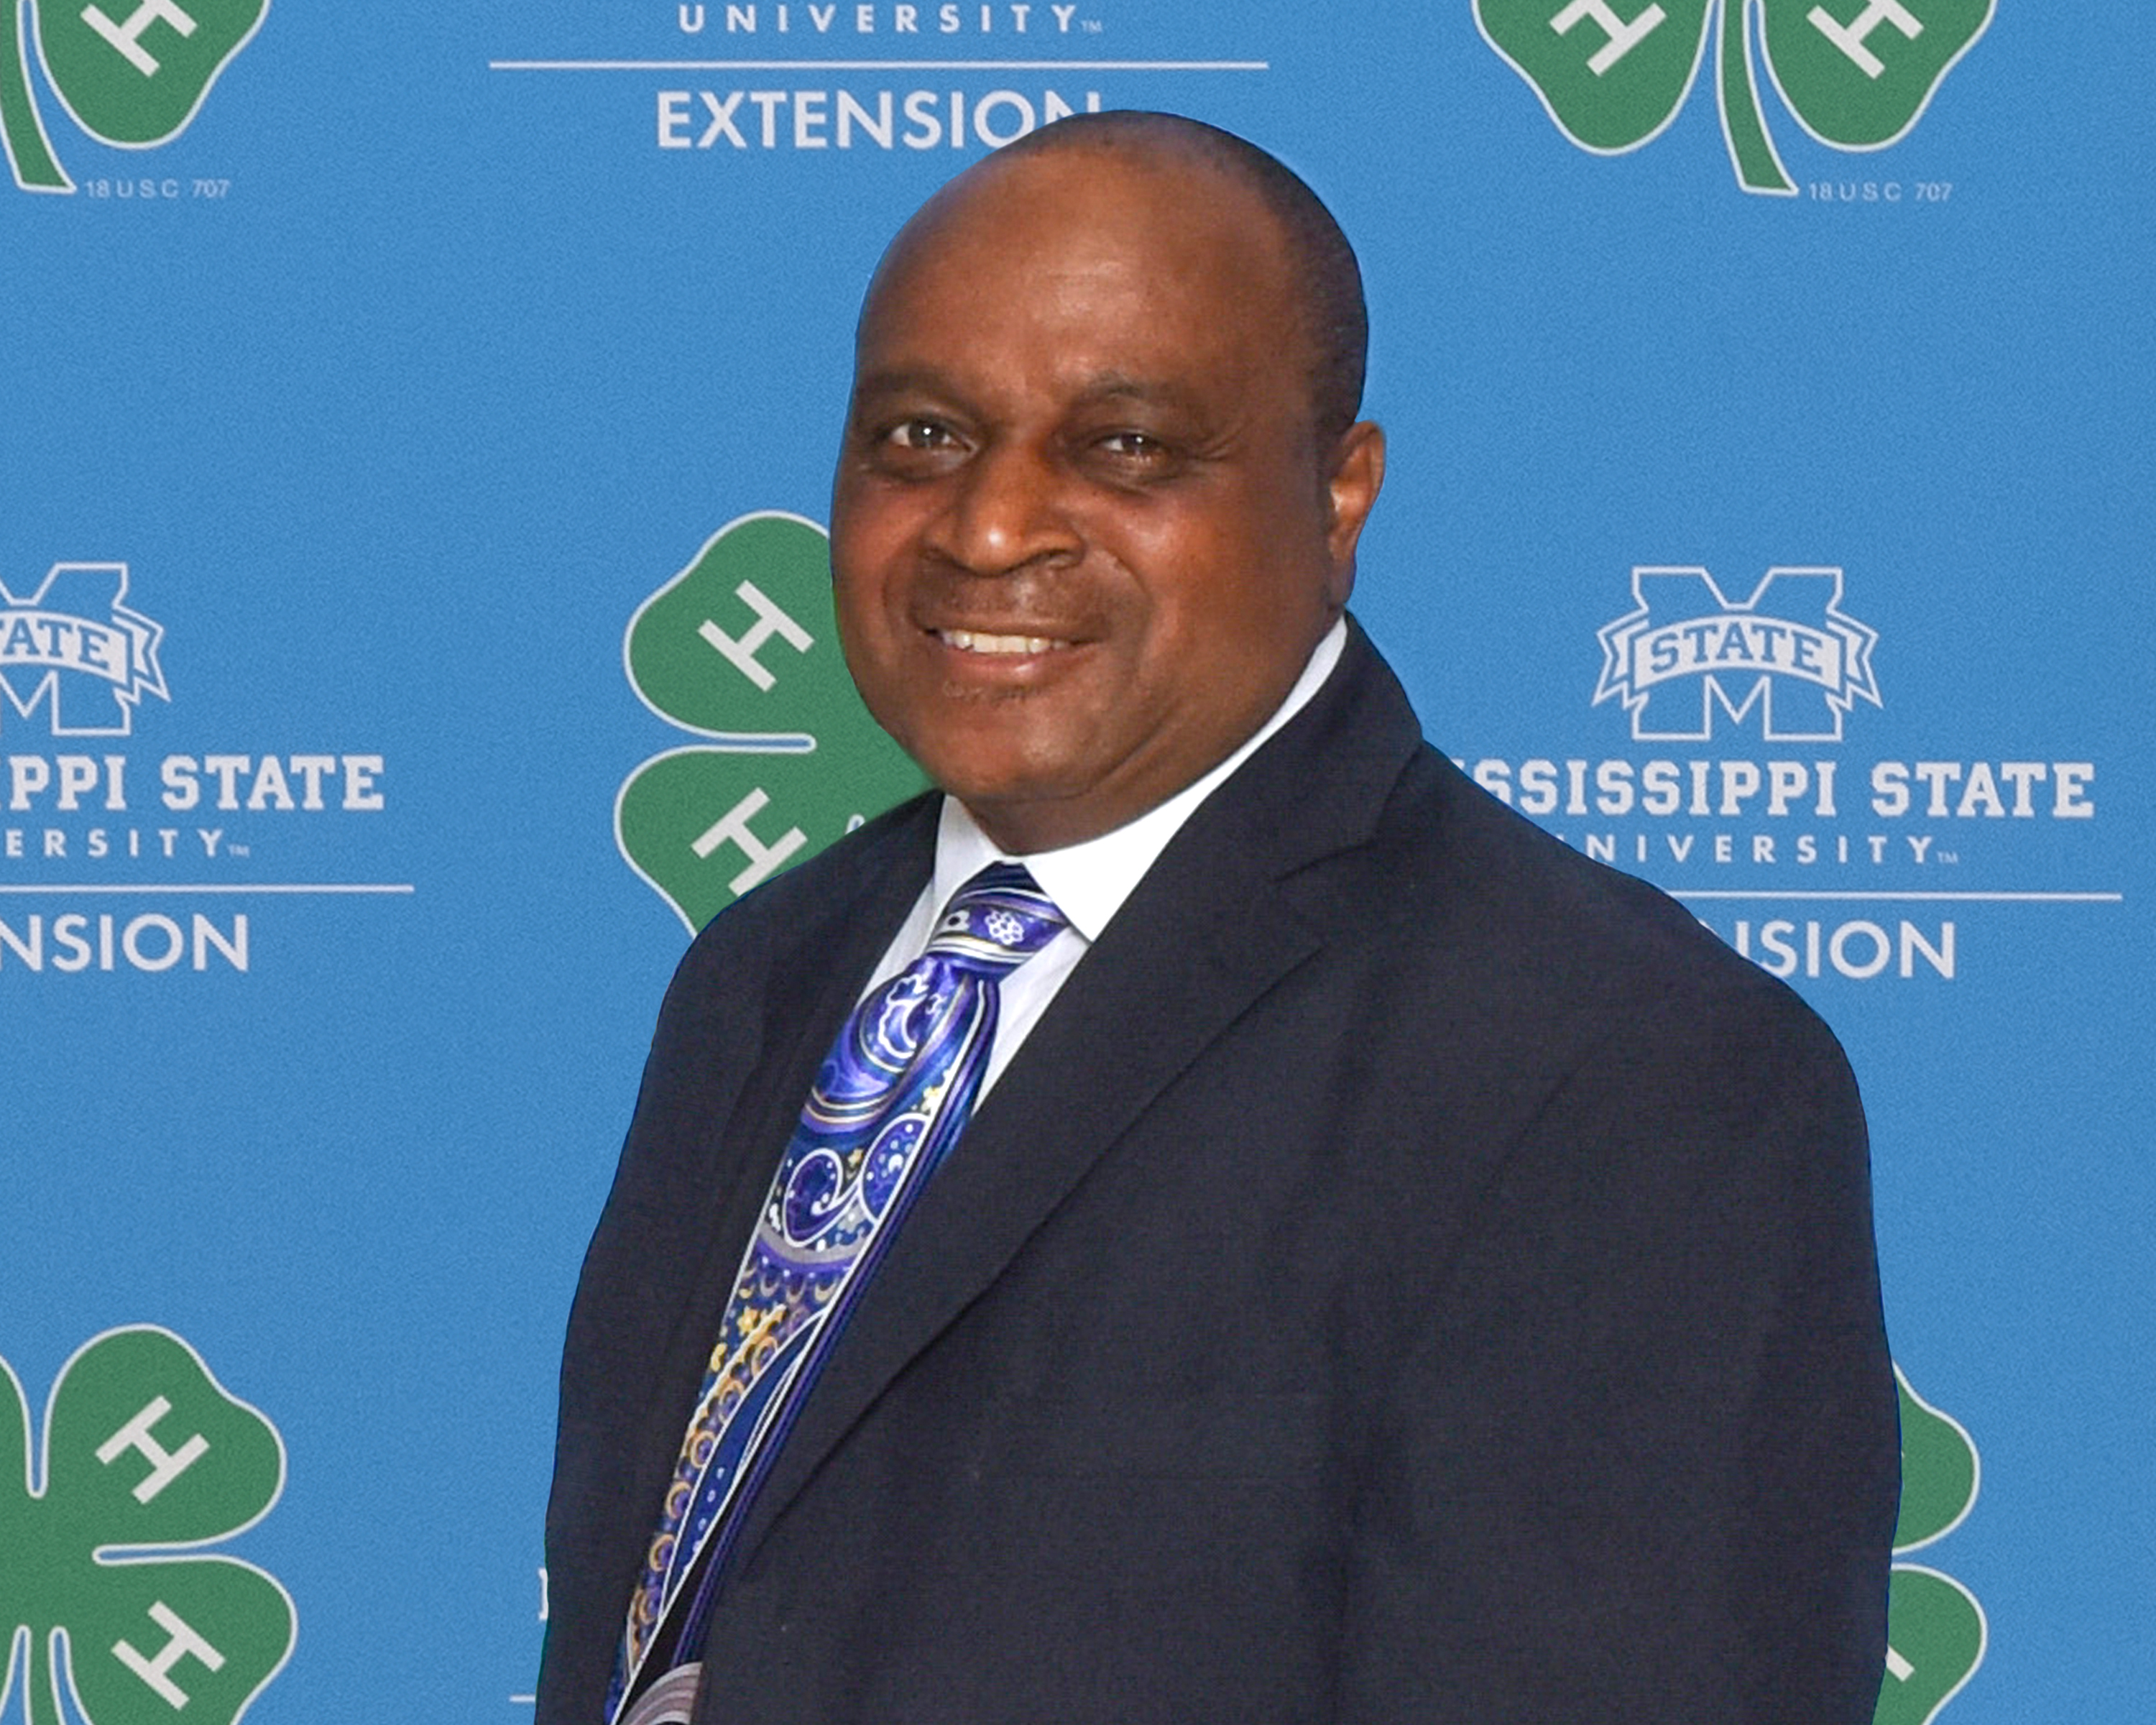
(1411, 1273)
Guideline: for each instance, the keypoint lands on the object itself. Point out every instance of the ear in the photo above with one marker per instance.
(1354, 475)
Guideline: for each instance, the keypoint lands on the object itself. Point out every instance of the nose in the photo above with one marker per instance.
(1006, 511)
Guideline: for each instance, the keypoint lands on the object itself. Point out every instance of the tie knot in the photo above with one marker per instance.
(998, 918)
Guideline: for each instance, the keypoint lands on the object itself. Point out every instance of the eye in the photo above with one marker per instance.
(919, 435)
(1126, 456)
(913, 445)
(1140, 448)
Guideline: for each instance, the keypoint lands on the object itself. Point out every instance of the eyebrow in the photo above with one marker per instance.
(1102, 387)
(898, 381)
(1121, 386)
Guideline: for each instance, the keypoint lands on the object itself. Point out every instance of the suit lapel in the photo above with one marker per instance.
(1205, 935)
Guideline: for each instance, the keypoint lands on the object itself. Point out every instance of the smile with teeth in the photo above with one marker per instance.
(969, 641)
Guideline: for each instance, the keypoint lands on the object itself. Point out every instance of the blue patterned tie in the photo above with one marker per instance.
(891, 1096)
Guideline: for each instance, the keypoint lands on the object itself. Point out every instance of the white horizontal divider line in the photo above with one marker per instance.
(834, 65)
(1981, 898)
(148, 887)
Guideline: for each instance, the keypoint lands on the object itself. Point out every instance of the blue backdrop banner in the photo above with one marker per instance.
(414, 619)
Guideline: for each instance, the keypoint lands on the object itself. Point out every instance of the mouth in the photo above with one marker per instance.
(973, 640)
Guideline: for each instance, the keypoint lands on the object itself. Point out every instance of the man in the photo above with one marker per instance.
(1379, 1265)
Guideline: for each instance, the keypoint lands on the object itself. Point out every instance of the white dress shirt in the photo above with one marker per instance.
(1089, 882)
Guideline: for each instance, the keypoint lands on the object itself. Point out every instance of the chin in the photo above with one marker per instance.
(993, 748)
(987, 788)
(992, 781)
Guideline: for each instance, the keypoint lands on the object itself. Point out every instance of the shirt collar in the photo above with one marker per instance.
(1089, 882)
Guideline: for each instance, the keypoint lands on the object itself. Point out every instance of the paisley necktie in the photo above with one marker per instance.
(889, 1100)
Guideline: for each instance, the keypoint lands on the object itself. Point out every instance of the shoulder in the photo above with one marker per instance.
(1457, 932)
(1557, 968)
(1564, 922)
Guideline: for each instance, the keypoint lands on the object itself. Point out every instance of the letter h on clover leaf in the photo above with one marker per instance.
(130, 73)
(1857, 73)
(103, 1595)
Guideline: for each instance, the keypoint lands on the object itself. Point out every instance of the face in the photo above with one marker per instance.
(1083, 537)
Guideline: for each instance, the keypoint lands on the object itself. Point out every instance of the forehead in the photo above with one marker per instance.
(1090, 256)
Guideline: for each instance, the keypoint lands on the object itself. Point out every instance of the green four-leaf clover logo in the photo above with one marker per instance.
(1935, 1629)
(145, 1457)
(1857, 74)
(130, 73)
(741, 647)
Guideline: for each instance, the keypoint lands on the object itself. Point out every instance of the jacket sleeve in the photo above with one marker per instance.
(1641, 1462)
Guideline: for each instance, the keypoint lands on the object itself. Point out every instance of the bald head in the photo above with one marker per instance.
(1321, 282)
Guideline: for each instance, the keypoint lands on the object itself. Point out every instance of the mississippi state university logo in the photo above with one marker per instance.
(130, 73)
(73, 648)
(1788, 657)
(1857, 73)
(93, 820)
(143, 1452)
